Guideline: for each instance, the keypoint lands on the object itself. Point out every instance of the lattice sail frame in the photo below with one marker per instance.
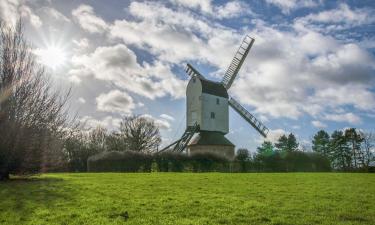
(237, 61)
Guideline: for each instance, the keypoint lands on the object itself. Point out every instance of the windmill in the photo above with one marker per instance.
(207, 110)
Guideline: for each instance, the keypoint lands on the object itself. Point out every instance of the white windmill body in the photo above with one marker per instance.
(207, 110)
(207, 106)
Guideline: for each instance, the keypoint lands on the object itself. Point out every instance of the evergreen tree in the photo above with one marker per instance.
(341, 155)
(292, 143)
(266, 149)
(354, 140)
(321, 143)
(282, 143)
(287, 144)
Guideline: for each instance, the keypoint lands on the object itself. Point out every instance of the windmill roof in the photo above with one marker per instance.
(210, 138)
(213, 88)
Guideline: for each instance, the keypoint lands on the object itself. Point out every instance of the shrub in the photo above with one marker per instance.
(208, 162)
(127, 161)
(171, 162)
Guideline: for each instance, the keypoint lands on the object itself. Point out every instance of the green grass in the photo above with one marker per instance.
(190, 198)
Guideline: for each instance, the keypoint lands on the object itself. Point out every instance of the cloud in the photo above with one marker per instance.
(115, 101)
(288, 5)
(87, 19)
(228, 10)
(12, 10)
(81, 100)
(167, 117)
(160, 123)
(340, 18)
(118, 65)
(55, 14)
(81, 44)
(176, 36)
(26, 12)
(345, 117)
(108, 122)
(295, 72)
(290, 70)
(318, 124)
(274, 135)
(290, 73)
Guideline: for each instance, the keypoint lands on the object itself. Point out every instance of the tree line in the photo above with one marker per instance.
(348, 150)
(136, 133)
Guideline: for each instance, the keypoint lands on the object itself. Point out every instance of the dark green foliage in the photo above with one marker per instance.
(287, 144)
(208, 162)
(341, 155)
(243, 158)
(269, 159)
(348, 150)
(266, 149)
(126, 161)
(321, 143)
(282, 143)
(170, 162)
(354, 140)
(130, 161)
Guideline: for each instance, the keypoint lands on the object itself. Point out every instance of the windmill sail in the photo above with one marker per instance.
(263, 130)
(237, 61)
(191, 71)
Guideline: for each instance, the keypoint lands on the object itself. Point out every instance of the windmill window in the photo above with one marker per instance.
(212, 115)
(217, 101)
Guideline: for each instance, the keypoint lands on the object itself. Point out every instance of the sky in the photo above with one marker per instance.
(312, 65)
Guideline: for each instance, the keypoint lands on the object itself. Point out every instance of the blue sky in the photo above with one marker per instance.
(311, 67)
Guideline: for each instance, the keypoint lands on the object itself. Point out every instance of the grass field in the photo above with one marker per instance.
(190, 198)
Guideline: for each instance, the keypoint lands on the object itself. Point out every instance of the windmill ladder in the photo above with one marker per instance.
(181, 143)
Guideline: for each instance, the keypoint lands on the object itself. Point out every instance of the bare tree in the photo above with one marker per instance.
(32, 114)
(97, 139)
(140, 133)
(367, 153)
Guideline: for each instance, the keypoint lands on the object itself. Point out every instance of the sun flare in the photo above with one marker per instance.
(52, 56)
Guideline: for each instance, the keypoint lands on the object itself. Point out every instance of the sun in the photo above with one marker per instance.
(52, 56)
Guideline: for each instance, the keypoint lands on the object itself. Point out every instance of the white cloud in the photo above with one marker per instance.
(296, 72)
(167, 117)
(107, 122)
(289, 73)
(228, 10)
(53, 13)
(9, 11)
(318, 124)
(160, 123)
(274, 135)
(12, 10)
(172, 36)
(81, 100)
(81, 44)
(115, 101)
(288, 5)
(87, 19)
(345, 117)
(26, 12)
(118, 64)
(339, 18)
